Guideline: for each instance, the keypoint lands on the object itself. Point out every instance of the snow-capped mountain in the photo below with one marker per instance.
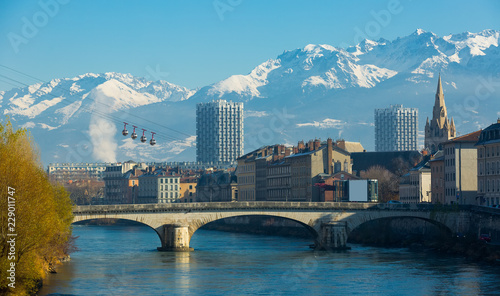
(316, 91)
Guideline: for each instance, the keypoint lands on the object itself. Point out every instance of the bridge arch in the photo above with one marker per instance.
(354, 223)
(126, 218)
(195, 226)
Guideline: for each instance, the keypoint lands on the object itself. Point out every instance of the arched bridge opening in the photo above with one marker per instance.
(262, 225)
(398, 231)
(104, 221)
(177, 236)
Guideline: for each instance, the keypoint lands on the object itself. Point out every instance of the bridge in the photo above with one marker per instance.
(330, 223)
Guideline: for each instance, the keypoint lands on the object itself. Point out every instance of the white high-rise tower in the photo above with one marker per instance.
(396, 129)
(219, 131)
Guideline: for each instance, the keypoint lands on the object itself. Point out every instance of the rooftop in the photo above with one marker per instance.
(468, 138)
(490, 135)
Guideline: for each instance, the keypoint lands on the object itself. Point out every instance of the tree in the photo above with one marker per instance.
(41, 211)
(388, 183)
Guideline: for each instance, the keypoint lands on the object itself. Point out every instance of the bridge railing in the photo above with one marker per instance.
(265, 205)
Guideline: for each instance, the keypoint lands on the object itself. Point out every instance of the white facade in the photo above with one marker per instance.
(219, 131)
(460, 170)
(77, 170)
(396, 129)
(154, 188)
(415, 187)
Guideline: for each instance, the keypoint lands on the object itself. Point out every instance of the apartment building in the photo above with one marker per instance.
(488, 165)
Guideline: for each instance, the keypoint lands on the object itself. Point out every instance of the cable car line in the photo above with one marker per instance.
(68, 101)
(123, 111)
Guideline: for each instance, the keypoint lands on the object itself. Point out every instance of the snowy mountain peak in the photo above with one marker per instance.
(419, 32)
(317, 81)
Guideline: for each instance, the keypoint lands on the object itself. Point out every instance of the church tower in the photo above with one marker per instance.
(439, 129)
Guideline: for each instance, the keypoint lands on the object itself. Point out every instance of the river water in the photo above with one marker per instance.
(122, 260)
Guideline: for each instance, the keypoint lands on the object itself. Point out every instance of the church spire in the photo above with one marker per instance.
(440, 129)
(439, 91)
(439, 112)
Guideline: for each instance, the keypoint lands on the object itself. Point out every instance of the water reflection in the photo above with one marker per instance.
(124, 261)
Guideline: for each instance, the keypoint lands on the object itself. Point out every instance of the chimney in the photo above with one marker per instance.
(498, 120)
(329, 155)
(317, 144)
(300, 146)
(310, 145)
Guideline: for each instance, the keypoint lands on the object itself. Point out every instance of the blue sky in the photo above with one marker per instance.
(196, 43)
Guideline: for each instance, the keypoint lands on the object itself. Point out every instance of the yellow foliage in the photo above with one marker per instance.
(42, 212)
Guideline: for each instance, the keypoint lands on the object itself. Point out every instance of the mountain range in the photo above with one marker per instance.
(318, 91)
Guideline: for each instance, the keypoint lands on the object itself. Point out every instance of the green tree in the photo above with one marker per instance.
(42, 213)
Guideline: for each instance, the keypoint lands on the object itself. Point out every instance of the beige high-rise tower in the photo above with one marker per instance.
(440, 129)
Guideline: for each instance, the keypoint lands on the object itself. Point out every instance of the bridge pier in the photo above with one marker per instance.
(175, 238)
(333, 236)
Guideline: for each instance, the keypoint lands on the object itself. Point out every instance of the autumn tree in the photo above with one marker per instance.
(388, 183)
(42, 213)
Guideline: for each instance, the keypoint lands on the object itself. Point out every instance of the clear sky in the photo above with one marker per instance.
(196, 43)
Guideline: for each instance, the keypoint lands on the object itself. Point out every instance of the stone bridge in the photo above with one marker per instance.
(330, 223)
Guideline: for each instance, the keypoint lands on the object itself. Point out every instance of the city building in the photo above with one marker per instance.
(279, 173)
(345, 187)
(440, 129)
(193, 165)
(187, 189)
(415, 186)
(64, 172)
(119, 186)
(350, 147)
(252, 171)
(488, 165)
(114, 184)
(219, 132)
(396, 129)
(158, 186)
(219, 186)
(309, 164)
(279, 181)
(261, 164)
(437, 177)
(246, 176)
(460, 169)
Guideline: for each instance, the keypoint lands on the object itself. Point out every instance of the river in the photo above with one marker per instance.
(122, 260)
